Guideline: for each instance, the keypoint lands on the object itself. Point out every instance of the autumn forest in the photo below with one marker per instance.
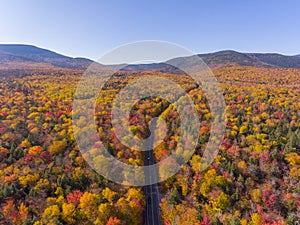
(254, 179)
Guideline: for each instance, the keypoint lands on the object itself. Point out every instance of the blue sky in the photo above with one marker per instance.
(91, 28)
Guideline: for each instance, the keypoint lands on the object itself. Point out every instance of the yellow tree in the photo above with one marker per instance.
(51, 215)
(109, 195)
(68, 212)
(88, 205)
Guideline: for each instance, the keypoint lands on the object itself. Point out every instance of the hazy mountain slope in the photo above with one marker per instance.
(250, 59)
(28, 53)
(225, 58)
(278, 60)
(230, 58)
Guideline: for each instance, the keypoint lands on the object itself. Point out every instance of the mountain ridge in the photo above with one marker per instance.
(28, 53)
(22, 54)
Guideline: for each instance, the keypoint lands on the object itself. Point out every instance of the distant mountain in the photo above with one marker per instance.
(225, 58)
(158, 67)
(20, 54)
(278, 60)
(233, 58)
(28, 56)
(221, 59)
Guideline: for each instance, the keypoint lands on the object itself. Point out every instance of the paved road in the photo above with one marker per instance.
(151, 191)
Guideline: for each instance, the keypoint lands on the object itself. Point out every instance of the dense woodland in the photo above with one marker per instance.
(254, 179)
